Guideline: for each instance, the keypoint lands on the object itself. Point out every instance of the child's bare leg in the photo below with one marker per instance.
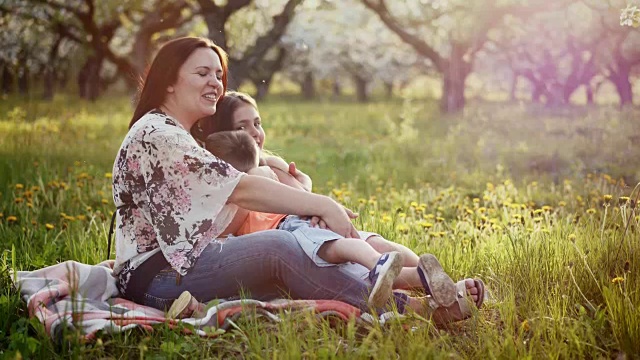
(383, 245)
(407, 279)
(347, 249)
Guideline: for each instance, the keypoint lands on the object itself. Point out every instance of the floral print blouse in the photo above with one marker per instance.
(171, 193)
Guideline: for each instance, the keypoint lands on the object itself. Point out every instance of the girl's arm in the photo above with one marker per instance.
(303, 180)
(265, 195)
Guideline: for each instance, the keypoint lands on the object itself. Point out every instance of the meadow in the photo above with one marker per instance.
(538, 203)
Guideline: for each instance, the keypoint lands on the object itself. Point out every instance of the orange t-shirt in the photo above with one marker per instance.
(258, 221)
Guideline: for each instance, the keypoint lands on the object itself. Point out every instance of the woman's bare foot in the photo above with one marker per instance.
(460, 310)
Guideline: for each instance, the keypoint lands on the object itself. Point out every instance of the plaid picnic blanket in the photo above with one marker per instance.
(85, 297)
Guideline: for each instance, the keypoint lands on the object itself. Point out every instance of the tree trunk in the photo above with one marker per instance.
(453, 87)
(336, 88)
(49, 83)
(362, 91)
(7, 80)
(23, 81)
(388, 87)
(89, 82)
(262, 88)
(308, 87)
(620, 79)
(589, 91)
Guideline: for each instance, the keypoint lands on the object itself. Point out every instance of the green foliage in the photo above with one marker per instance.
(531, 201)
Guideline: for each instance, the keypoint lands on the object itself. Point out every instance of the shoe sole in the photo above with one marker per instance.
(443, 289)
(179, 305)
(382, 289)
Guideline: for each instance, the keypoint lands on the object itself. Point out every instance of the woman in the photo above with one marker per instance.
(173, 199)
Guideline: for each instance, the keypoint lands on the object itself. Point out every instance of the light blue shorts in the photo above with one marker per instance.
(311, 238)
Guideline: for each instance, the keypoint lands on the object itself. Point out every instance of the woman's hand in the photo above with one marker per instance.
(337, 218)
(317, 221)
(302, 178)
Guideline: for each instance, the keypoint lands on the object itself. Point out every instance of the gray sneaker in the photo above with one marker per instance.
(382, 276)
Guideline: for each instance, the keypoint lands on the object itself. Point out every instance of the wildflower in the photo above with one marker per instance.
(362, 201)
(30, 205)
(547, 208)
(440, 219)
(108, 175)
(371, 212)
(1, 215)
(537, 211)
(19, 186)
(49, 226)
(525, 325)
(426, 225)
(469, 211)
(11, 219)
(617, 280)
(623, 200)
(414, 204)
(537, 219)
(18, 200)
(402, 228)
(386, 218)
(572, 238)
(482, 210)
(562, 203)
(496, 227)
(476, 200)
(534, 184)
(431, 216)
(35, 188)
(105, 201)
(490, 186)
(607, 199)
(591, 211)
(88, 208)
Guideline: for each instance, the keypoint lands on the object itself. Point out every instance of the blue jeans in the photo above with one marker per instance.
(263, 266)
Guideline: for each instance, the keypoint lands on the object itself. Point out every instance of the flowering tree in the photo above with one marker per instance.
(451, 33)
(334, 40)
(630, 16)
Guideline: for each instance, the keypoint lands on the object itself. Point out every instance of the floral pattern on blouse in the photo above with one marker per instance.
(171, 193)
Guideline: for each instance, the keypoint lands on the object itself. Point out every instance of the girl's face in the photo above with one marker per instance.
(247, 118)
(199, 85)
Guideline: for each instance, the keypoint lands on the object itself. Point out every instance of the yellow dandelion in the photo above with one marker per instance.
(537, 219)
(35, 188)
(429, 216)
(30, 205)
(386, 218)
(490, 186)
(33, 222)
(591, 211)
(81, 217)
(19, 186)
(439, 219)
(525, 325)
(572, 237)
(371, 212)
(378, 189)
(476, 200)
(617, 280)
(414, 204)
(547, 208)
(69, 218)
(402, 215)
(18, 200)
(362, 201)
(49, 226)
(468, 211)
(88, 208)
(108, 175)
(12, 218)
(1, 215)
(402, 228)
(105, 201)
(426, 225)
(496, 227)
(562, 203)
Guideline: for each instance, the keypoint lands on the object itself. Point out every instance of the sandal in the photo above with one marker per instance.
(442, 315)
(435, 281)
(382, 276)
(183, 307)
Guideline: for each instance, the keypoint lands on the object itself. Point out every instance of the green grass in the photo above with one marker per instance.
(510, 193)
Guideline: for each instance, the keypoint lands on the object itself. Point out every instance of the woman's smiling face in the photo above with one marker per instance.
(247, 118)
(198, 86)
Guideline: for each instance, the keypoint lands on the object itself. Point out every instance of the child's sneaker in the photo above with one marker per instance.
(435, 281)
(183, 306)
(382, 276)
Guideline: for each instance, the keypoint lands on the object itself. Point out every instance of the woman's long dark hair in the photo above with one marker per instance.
(222, 120)
(163, 72)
